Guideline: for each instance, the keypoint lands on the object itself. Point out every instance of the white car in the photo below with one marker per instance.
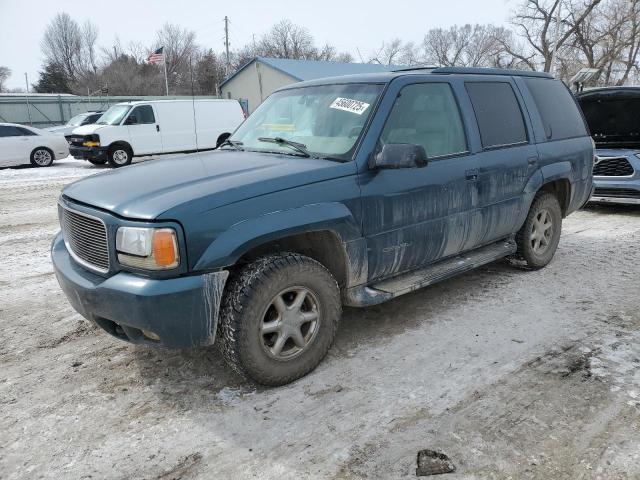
(20, 144)
(87, 118)
(155, 127)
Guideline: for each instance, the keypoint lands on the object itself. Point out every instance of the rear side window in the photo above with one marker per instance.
(557, 108)
(498, 113)
(26, 132)
(426, 114)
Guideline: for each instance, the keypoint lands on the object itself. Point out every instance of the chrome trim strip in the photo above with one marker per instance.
(82, 262)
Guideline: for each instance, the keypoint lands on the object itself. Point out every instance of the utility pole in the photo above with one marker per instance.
(226, 43)
(26, 81)
(554, 53)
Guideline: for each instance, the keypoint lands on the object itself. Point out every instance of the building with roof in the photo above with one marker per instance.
(258, 78)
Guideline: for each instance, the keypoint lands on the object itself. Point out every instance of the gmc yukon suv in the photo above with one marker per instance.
(341, 191)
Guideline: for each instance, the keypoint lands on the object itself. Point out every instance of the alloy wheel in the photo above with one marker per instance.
(290, 323)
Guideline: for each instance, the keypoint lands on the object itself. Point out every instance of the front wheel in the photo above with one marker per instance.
(119, 156)
(538, 238)
(278, 318)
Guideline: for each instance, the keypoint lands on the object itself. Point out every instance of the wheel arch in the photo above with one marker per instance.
(327, 233)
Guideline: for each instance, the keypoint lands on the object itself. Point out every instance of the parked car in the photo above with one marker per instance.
(20, 144)
(87, 118)
(155, 127)
(350, 190)
(612, 116)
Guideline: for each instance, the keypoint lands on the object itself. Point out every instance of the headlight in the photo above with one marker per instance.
(148, 248)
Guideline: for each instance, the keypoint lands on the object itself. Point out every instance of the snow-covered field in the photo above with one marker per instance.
(512, 374)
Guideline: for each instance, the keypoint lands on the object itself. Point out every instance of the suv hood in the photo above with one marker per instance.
(612, 116)
(207, 180)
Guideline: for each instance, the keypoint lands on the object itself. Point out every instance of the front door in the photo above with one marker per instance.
(144, 132)
(416, 216)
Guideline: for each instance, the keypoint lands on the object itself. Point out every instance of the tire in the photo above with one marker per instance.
(249, 308)
(119, 156)
(96, 161)
(538, 238)
(41, 157)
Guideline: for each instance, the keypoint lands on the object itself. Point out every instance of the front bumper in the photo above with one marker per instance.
(88, 153)
(176, 313)
(618, 189)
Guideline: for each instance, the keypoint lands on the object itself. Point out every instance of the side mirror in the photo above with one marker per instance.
(399, 155)
(131, 120)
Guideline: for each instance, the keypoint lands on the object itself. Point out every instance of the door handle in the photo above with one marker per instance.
(157, 128)
(471, 174)
(532, 160)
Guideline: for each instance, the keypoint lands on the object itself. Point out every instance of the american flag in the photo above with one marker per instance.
(156, 57)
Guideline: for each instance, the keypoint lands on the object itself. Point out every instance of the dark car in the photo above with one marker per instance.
(612, 116)
(341, 191)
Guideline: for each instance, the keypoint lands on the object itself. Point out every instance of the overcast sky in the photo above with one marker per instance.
(346, 24)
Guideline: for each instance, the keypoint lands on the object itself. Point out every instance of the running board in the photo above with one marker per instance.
(363, 296)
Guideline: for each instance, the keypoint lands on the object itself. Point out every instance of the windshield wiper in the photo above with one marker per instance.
(232, 143)
(300, 147)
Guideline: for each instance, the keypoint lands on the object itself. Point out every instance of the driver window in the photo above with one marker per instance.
(426, 114)
(143, 115)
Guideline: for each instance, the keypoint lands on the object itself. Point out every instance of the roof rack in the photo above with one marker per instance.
(479, 71)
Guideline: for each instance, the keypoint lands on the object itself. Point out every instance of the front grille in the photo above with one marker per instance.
(86, 238)
(75, 140)
(612, 167)
(617, 192)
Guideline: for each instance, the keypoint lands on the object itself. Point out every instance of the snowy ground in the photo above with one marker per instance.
(512, 374)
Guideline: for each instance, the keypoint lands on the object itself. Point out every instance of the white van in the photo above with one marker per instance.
(154, 127)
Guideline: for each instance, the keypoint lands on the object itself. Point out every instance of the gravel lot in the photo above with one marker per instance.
(512, 374)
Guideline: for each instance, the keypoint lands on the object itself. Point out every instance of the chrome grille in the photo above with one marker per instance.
(612, 167)
(86, 239)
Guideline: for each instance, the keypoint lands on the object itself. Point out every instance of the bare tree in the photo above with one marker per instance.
(535, 21)
(62, 44)
(5, 73)
(287, 40)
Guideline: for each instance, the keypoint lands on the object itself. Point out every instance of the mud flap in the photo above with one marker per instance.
(212, 290)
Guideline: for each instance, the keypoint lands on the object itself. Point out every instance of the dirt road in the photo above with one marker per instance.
(512, 374)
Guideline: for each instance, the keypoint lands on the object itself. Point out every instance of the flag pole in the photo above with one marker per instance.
(166, 82)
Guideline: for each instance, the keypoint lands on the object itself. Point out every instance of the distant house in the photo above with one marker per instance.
(258, 78)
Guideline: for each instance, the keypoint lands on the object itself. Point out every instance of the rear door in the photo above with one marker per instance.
(144, 132)
(419, 215)
(506, 161)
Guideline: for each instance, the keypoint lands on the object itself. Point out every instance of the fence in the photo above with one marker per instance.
(43, 111)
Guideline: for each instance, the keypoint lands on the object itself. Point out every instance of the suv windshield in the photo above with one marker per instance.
(326, 120)
(114, 115)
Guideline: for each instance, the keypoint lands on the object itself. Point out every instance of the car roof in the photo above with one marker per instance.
(386, 77)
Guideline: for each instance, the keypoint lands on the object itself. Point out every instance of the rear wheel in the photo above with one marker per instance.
(42, 157)
(539, 236)
(119, 156)
(278, 318)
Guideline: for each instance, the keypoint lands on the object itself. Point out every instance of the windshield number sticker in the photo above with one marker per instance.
(349, 105)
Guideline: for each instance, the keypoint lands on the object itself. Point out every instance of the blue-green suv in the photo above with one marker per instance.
(340, 191)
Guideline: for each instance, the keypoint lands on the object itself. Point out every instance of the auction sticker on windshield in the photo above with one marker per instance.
(349, 105)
